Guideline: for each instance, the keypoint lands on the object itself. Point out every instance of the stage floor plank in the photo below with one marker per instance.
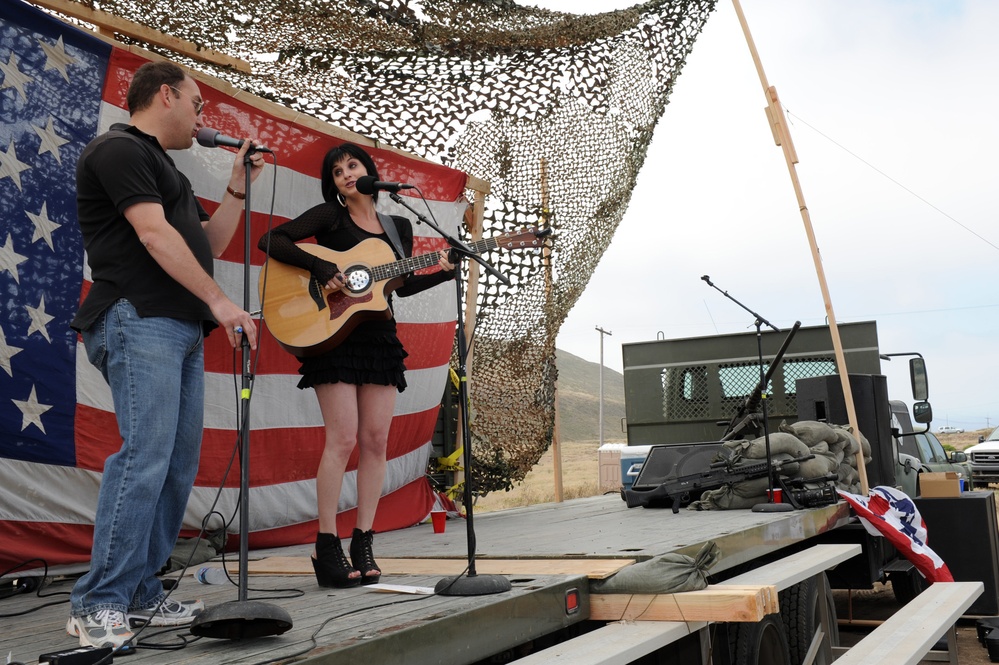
(361, 626)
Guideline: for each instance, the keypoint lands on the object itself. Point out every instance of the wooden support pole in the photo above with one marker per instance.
(546, 254)
(782, 136)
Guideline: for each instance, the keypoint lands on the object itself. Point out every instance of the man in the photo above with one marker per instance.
(150, 247)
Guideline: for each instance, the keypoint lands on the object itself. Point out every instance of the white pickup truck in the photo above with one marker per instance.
(984, 458)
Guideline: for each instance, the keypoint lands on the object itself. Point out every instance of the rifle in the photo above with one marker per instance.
(719, 474)
(747, 412)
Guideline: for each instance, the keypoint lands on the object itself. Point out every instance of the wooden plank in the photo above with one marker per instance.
(110, 23)
(912, 631)
(742, 604)
(593, 568)
(797, 567)
(614, 644)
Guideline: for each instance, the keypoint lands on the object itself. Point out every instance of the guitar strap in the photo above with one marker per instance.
(393, 233)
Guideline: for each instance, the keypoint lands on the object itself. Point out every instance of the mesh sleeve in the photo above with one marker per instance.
(282, 242)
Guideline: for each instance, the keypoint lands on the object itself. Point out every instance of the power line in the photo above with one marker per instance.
(882, 173)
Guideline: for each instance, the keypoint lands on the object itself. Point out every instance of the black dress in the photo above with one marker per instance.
(372, 352)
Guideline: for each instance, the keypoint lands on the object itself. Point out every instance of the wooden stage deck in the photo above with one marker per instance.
(543, 550)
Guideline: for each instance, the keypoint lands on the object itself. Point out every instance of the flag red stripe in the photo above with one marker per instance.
(428, 345)
(64, 543)
(397, 510)
(54, 542)
(278, 455)
(300, 148)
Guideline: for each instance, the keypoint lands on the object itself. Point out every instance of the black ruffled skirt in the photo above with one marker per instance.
(371, 354)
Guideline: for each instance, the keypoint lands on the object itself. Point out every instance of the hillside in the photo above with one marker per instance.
(579, 400)
(579, 415)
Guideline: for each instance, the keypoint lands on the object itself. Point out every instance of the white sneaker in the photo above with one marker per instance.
(168, 613)
(104, 628)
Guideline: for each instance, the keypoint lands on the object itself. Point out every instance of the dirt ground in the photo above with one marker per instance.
(879, 603)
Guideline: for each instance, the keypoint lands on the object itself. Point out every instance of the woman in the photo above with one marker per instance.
(356, 382)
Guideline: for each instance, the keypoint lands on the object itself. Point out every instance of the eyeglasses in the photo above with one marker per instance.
(199, 104)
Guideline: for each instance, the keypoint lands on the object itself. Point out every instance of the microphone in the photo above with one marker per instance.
(706, 279)
(213, 138)
(367, 184)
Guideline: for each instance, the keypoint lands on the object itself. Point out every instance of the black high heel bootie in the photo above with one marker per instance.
(361, 556)
(331, 565)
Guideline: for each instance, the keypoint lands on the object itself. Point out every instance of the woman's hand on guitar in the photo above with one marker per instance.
(327, 274)
(336, 282)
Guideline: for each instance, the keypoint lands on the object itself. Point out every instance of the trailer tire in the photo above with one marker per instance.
(800, 611)
(907, 585)
(762, 643)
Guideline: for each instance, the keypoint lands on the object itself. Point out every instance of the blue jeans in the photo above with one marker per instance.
(155, 367)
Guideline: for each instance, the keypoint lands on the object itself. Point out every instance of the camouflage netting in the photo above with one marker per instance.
(491, 88)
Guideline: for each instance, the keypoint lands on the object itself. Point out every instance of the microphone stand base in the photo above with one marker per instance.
(773, 508)
(476, 585)
(241, 619)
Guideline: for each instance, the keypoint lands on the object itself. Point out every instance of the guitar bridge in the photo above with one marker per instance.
(316, 293)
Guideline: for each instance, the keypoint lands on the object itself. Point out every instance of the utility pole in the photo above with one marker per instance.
(601, 419)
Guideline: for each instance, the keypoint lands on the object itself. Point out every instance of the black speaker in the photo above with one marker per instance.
(964, 532)
(821, 398)
(668, 461)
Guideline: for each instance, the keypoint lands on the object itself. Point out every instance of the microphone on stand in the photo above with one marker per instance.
(213, 138)
(707, 279)
(367, 184)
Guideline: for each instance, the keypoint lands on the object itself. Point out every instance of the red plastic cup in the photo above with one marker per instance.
(778, 495)
(439, 518)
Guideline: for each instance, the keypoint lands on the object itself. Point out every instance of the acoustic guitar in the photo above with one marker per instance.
(307, 319)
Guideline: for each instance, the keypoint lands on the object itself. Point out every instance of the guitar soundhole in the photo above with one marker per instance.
(357, 280)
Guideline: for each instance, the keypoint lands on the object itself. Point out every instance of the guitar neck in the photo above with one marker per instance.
(414, 263)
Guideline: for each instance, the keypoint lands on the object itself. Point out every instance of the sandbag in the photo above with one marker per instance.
(189, 552)
(667, 573)
(852, 445)
(848, 476)
(731, 497)
(780, 442)
(811, 432)
(816, 467)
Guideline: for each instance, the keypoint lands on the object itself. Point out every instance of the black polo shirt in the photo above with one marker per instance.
(116, 170)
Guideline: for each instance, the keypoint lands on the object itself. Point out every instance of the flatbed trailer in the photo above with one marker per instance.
(547, 551)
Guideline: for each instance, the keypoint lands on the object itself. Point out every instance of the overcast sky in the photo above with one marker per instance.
(906, 224)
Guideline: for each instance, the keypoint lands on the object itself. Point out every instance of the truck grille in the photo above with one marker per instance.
(985, 457)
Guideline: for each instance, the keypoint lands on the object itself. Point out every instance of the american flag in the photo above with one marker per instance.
(889, 512)
(59, 88)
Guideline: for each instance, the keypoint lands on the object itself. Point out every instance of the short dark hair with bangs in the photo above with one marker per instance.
(338, 154)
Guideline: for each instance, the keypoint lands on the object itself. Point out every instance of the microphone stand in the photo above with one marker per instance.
(243, 618)
(471, 584)
(770, 506)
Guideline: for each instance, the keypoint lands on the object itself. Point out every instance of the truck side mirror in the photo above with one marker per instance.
(920, 384)
(922, 412)
(958, 456)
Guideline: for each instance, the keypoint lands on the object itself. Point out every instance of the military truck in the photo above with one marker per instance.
(684, 392)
